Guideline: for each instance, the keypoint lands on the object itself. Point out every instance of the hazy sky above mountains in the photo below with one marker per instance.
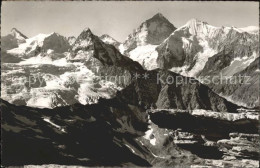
(118, 19)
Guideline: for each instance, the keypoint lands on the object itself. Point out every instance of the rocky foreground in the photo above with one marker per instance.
(113, 133)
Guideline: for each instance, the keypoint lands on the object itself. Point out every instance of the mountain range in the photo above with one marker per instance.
(195, 49)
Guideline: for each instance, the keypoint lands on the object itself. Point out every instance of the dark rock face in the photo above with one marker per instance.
(152, 31)
(165, 89)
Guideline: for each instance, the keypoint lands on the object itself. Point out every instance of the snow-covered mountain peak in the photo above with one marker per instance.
(17, 34)
(151, 32)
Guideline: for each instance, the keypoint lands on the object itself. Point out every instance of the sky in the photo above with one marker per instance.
(118, 19)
